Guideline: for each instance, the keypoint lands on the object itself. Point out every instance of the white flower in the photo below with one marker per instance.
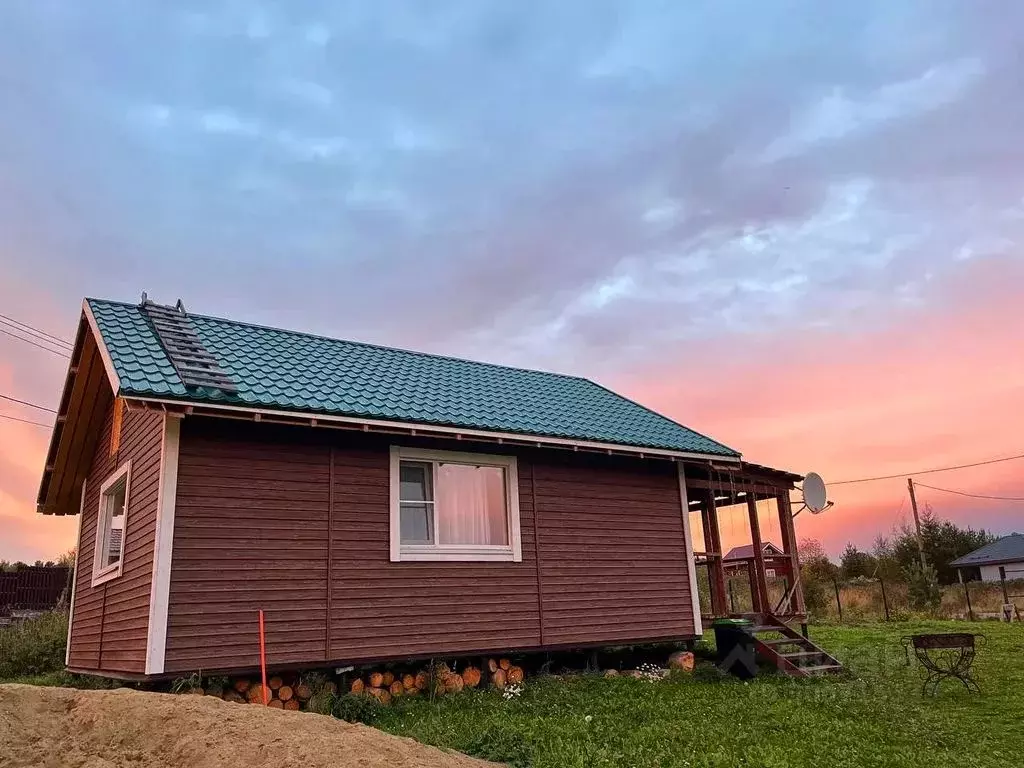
(588, 718)
(512, 691)
(652, 673)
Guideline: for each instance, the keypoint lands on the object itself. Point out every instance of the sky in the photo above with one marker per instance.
(795, 226)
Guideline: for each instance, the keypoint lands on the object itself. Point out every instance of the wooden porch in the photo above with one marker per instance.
(711, 489)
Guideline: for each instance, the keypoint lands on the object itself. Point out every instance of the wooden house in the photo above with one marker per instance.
(740, 560)
(377, 504)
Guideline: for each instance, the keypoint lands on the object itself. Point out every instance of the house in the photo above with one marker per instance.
(1001, 560)
(777, 565)
(377, 504)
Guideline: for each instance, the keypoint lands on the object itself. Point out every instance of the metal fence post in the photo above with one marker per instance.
(839, 602)
(732, 598)
(885, 600)
(967, 594)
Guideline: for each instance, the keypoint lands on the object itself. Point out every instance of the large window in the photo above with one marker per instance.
(110, 526)
(453, 506)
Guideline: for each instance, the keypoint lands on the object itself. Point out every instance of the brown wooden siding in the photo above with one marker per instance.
(111, 621)
(250, 532)
(613, 554)
(295, 521)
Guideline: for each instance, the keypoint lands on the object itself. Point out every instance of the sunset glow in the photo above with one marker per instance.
(803, 240)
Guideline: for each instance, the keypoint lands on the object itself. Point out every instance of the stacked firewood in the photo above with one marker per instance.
(438, 680)
(278, 695)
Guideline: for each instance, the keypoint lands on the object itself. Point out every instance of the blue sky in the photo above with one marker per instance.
(587, 186)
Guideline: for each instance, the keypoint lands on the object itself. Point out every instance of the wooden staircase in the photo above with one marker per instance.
(778, 643)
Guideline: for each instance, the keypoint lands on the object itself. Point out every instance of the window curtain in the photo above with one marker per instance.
(471, 505)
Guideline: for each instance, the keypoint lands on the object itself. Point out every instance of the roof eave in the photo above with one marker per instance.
(988, 561)
(108, 363)
(313, 418)
(81, 385)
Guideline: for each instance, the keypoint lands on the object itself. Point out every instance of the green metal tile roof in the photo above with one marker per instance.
(287, 370)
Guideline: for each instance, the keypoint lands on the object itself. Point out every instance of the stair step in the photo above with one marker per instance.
(803, 642)
(767, 628)
(822, 668)
(802, 654)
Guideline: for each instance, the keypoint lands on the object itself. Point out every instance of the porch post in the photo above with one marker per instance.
(709, 549)
(789, 546)
(713, 543)
(758, 586)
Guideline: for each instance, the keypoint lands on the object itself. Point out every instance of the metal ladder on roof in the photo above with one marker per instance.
(194, 363)
(792, 653)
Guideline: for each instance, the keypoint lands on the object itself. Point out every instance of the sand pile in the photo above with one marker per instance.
(50, 727)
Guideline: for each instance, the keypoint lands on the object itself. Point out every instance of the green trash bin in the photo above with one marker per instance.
(734, 642)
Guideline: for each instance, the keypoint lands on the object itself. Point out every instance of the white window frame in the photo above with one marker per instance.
(102, 574)
(511, 552)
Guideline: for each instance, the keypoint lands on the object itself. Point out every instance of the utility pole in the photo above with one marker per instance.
(917, 520)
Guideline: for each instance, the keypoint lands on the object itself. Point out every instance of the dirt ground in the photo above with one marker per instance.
(60, 727)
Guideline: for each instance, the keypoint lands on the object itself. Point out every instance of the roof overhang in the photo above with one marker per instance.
(89, 387)
(299, 418)
(1007, 560)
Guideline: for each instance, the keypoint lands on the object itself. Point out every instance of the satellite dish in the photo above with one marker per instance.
(815, 497)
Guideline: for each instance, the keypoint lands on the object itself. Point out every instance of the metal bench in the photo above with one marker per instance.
(943, 656)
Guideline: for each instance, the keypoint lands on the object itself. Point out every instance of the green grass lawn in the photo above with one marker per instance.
(875, 717)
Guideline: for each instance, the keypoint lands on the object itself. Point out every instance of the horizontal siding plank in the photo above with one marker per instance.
(113, 618)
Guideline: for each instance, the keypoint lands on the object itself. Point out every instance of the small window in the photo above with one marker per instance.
(453, 506)
(110, 526)
(769, 573)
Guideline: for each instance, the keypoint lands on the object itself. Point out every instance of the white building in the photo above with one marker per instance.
(1002, 559)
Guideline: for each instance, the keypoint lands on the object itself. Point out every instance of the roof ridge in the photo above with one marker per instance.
(373, 345)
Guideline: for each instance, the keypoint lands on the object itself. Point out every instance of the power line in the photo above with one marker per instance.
(972, 495)
(928, 471)
(25, 421)
(34, 343)
(25, 402)
(34, 331)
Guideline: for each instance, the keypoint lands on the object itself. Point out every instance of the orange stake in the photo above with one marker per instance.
(263, 662)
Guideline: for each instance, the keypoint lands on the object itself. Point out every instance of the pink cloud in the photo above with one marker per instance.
(937, 385)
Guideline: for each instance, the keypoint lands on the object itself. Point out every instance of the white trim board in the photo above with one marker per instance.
(108, 363)
(163, 547)
(433, 430)
(691, 563)
(74, 574)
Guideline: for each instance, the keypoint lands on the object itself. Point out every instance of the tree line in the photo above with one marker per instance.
(896, 558)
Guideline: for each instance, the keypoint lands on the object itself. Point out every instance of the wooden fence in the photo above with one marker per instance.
(36, 588)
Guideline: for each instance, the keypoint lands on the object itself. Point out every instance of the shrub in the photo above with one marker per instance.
(818, 597)
(923, 587)
(34, 646)
(357, 708)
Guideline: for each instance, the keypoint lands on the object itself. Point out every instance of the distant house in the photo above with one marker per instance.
(376, 503)
(777, 564)
(1002, 559)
